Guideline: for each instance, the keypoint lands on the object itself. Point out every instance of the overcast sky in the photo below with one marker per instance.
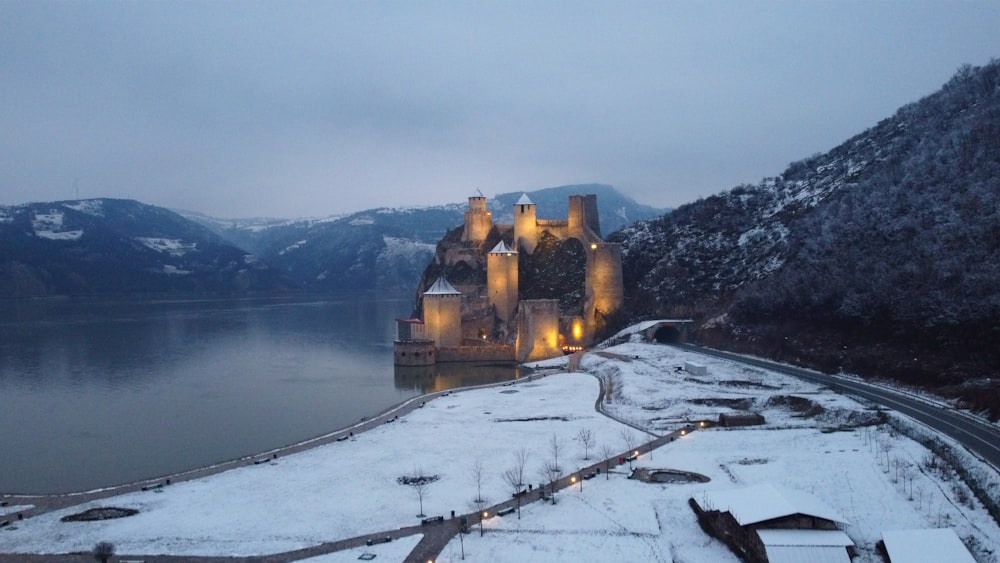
(291, 109)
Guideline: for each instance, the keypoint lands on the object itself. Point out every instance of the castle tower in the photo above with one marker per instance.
(525, 225)
(478, 221)
(501, 280)
(583, 216)
(604, 280)
(443, 314)
(538, 330)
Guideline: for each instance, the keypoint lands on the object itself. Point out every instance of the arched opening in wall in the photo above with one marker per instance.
(667, 334)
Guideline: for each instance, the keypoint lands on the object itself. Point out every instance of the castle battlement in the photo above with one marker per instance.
(505, 324)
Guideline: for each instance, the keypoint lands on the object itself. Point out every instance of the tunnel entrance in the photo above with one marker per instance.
(667, 334)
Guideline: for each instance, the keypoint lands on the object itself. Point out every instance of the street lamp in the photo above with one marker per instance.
(485, 514)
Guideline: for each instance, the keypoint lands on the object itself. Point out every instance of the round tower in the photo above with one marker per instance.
(501, 280)
(525, 225)
(478, 221)
(443, 314)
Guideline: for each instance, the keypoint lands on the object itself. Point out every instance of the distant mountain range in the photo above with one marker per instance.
(122, 247)
(880, 257)
(388, 248)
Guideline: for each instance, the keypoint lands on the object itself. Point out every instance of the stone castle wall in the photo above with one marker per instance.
(502, 284)
(604, 277)
(494, 353)
(538, 330)
(442, 319)
(414, 353)
(485, 312)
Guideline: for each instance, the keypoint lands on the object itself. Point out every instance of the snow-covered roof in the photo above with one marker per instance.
(810, 553)
(925, 546)
(525, 200)
(502, 248)
(796, 546)
(828, 538)
(411, 321)
(442, 287)
(767, 501)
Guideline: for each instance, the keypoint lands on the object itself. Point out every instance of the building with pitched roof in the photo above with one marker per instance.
(769, 523)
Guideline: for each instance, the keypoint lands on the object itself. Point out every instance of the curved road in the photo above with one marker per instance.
(977, 436)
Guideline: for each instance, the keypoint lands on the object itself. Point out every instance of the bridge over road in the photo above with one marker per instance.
(978, 436)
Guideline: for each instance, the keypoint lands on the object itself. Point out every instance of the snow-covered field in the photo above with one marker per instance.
(877, 481)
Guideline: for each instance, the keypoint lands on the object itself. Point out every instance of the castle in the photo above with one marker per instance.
(476, 319)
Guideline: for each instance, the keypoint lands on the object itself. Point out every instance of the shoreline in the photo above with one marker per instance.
(47, 502)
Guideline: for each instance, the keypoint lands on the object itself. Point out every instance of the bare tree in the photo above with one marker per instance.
(887, 446)
(103, 551)
(477, 477)
(550, 473)
(555, 446)
(418, 482)
(628, 436)
(479, 505)
(586, 437)
(513, 479)
(521, 464)
(420, 487)
(606, 452)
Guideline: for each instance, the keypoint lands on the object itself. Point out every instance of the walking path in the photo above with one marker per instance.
(435, 535)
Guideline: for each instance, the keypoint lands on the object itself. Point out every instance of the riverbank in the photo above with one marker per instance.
(39, 504)
(276, 511)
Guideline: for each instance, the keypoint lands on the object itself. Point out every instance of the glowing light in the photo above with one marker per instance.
(593, 246)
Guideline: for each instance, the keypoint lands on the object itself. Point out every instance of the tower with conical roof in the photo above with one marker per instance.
(443, 314)
(501, 280)
(525, 225)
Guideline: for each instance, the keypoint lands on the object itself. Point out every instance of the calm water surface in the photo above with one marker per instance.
(97, 394)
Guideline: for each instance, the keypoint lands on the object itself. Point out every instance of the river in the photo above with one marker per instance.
(94, 394)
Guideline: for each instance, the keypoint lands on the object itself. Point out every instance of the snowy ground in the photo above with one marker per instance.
(349, 488)
(392, 551)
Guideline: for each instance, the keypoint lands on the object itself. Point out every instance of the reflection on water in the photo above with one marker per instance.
(444, 376)
(94, 394)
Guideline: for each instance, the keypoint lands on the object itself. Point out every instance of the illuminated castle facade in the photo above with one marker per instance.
(473, 319)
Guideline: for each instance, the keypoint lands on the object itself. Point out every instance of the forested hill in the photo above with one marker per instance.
(880, 257)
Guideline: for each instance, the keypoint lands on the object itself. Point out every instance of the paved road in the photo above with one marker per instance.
(977, 436)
